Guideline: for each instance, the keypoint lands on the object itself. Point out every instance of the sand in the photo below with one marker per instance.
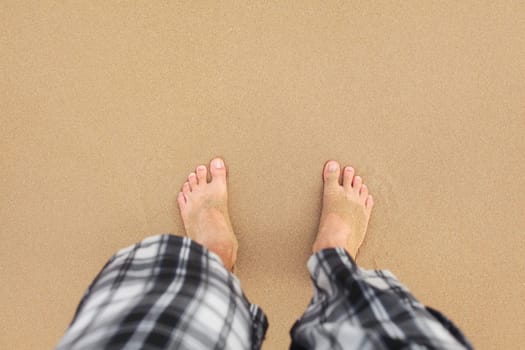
(107, 106)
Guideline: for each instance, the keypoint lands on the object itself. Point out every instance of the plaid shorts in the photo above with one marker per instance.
(169, 292)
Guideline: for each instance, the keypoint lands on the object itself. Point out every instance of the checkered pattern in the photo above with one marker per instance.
(354, 308)
(169, 292)
(165, 292)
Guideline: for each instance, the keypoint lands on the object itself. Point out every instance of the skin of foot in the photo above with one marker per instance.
(204, 210)
(345, 212)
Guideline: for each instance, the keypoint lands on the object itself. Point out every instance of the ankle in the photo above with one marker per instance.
(329, 241)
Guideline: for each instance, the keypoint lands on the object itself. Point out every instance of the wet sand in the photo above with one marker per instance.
(105, 109)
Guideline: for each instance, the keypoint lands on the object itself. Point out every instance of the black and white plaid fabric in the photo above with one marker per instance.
(168, 292)
(354, 308)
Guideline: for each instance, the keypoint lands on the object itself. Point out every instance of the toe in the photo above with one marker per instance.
(181, 200)
(356, 184)
(192, 179)
(201, 174)
(218, 170)
(369, 203)
(331, 173)
(348, 176)
(363, 194)
(186, 190)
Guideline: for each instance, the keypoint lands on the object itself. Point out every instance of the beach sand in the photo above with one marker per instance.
(106, 107)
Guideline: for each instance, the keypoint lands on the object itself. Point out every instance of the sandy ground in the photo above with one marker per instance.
(106, 106)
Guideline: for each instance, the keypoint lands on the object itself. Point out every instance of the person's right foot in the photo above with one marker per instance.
(346, 210)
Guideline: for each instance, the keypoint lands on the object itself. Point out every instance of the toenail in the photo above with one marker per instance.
(218, 164)
(201, 168)
(349, 169)
(332, 167)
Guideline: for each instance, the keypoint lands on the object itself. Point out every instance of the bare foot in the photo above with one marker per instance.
(204, 210)
(346, 210)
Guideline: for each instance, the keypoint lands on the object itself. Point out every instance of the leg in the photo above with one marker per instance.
(170, 292)
(353, 308)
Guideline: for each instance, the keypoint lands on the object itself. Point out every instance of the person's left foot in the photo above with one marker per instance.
(204, 211)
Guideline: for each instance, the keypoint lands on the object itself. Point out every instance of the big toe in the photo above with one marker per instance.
(218, 170)
(331, 173)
